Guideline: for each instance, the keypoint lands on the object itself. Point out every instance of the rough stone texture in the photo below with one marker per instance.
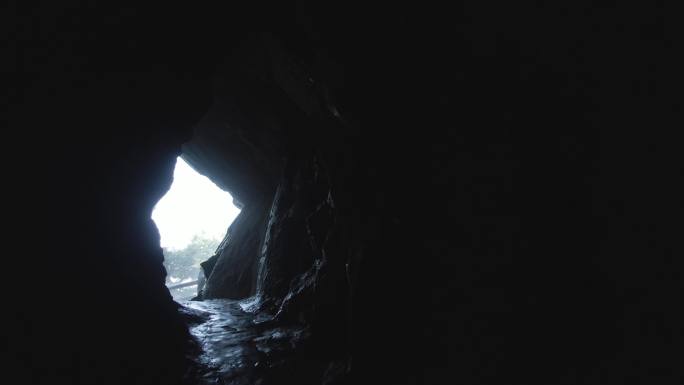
(455, 216)
(234, 275)
(290, 247)
(240, 142)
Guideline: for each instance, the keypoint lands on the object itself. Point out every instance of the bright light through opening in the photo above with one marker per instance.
(192, 219)
(193, 206)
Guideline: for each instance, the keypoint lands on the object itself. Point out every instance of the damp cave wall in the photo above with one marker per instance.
(99, 106)
(503, 187)
(517, 250)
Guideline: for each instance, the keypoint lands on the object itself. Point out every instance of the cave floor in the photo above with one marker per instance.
(238, 348)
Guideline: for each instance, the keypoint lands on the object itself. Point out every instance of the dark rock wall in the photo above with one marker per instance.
(99, 106)
(95, 309)
(462, 227)
(233, 275)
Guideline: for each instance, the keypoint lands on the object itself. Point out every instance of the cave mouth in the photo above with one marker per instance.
(193, 219)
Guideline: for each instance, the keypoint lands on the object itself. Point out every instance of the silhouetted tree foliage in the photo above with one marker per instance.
(184, 263)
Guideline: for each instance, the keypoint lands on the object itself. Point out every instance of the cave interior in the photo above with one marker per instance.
(427, 197)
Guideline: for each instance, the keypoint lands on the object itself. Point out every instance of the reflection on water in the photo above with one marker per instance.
(237, 350)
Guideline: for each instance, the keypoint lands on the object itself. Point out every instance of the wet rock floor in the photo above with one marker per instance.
(238, 348)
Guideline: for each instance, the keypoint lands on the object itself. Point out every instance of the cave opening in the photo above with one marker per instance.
(193, 218)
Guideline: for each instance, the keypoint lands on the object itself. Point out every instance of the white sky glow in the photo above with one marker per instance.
(194, 205)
